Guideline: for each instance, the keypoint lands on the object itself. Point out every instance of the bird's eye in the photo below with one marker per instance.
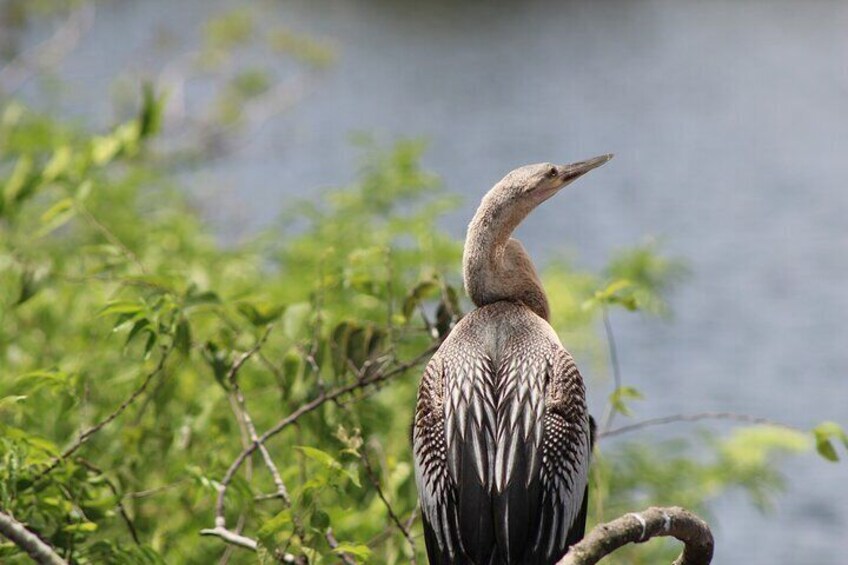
(552, 172)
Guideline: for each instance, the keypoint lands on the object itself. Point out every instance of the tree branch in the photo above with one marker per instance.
(640, 527)
(239, 540)
(232, 378)
(35, 547)
(734, 416)
(372, 477)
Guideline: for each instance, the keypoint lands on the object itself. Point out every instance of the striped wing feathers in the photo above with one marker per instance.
(501, 452)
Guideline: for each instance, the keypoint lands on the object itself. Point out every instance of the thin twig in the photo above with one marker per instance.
(86, 434)
(110, 236)
(372, 477)
(109, 483)
(334, 544)
(155, 490)
(282, 492)
(616, 369)
(34, 546)
(747, 418)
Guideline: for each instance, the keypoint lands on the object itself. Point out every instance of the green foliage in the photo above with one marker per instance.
(824, 435)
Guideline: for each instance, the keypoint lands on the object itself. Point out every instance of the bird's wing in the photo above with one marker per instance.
(436, 491)
(565, 461)
(453, 440)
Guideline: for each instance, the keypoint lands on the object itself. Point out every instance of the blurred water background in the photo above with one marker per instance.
(729, 121)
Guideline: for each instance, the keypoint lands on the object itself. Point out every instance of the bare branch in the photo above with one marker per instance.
(616, 369)
(245, 542)
(334, 543)
(34, 546)
(736, 417)
(232, 378)
(86, 434)
(640, 527)
(231, 537)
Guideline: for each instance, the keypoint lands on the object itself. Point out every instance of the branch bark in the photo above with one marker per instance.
(35, 547)
(642, 526)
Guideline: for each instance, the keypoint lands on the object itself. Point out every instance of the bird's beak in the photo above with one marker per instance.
(570, 173)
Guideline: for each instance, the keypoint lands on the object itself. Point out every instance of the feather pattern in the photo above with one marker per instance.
(501, 442)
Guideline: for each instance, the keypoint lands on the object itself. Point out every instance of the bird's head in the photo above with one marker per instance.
(524, 188)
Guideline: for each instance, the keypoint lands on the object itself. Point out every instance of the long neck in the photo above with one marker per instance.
(495, 266)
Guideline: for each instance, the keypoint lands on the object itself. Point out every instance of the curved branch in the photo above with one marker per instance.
(642, 526)
(39, 550)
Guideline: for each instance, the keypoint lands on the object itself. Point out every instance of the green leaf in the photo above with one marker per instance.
(218, 360)
(620, 396)
(260, 313)
(201, 298)
(825, 449)
(83, 190)
(295, 319)
(139, 326)
(9, 401)
(357, 550)
(422, 290)
(320, 456)
(152, 110)
(56, 216)
(320, 520)
(824, 433)
(58, 164)
(282, 521)
(148, 346)
(182, 336)
(22, 181)
(122, 307)
(82, 527)
(104, 149)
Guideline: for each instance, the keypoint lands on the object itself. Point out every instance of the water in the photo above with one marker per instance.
(730, 125)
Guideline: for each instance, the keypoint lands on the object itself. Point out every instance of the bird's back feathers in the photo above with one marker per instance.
(501, 442)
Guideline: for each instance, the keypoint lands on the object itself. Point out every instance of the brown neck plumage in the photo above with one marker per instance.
(495, 266)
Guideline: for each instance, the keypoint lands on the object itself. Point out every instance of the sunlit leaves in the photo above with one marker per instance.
(618, 292)
(620, 397)
(335, 471)
(825, 434)
(649, 275)
(260, 313)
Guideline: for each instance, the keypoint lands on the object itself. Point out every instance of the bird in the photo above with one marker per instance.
(501, 433)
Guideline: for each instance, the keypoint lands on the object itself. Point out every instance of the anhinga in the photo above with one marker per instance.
(501, 433)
